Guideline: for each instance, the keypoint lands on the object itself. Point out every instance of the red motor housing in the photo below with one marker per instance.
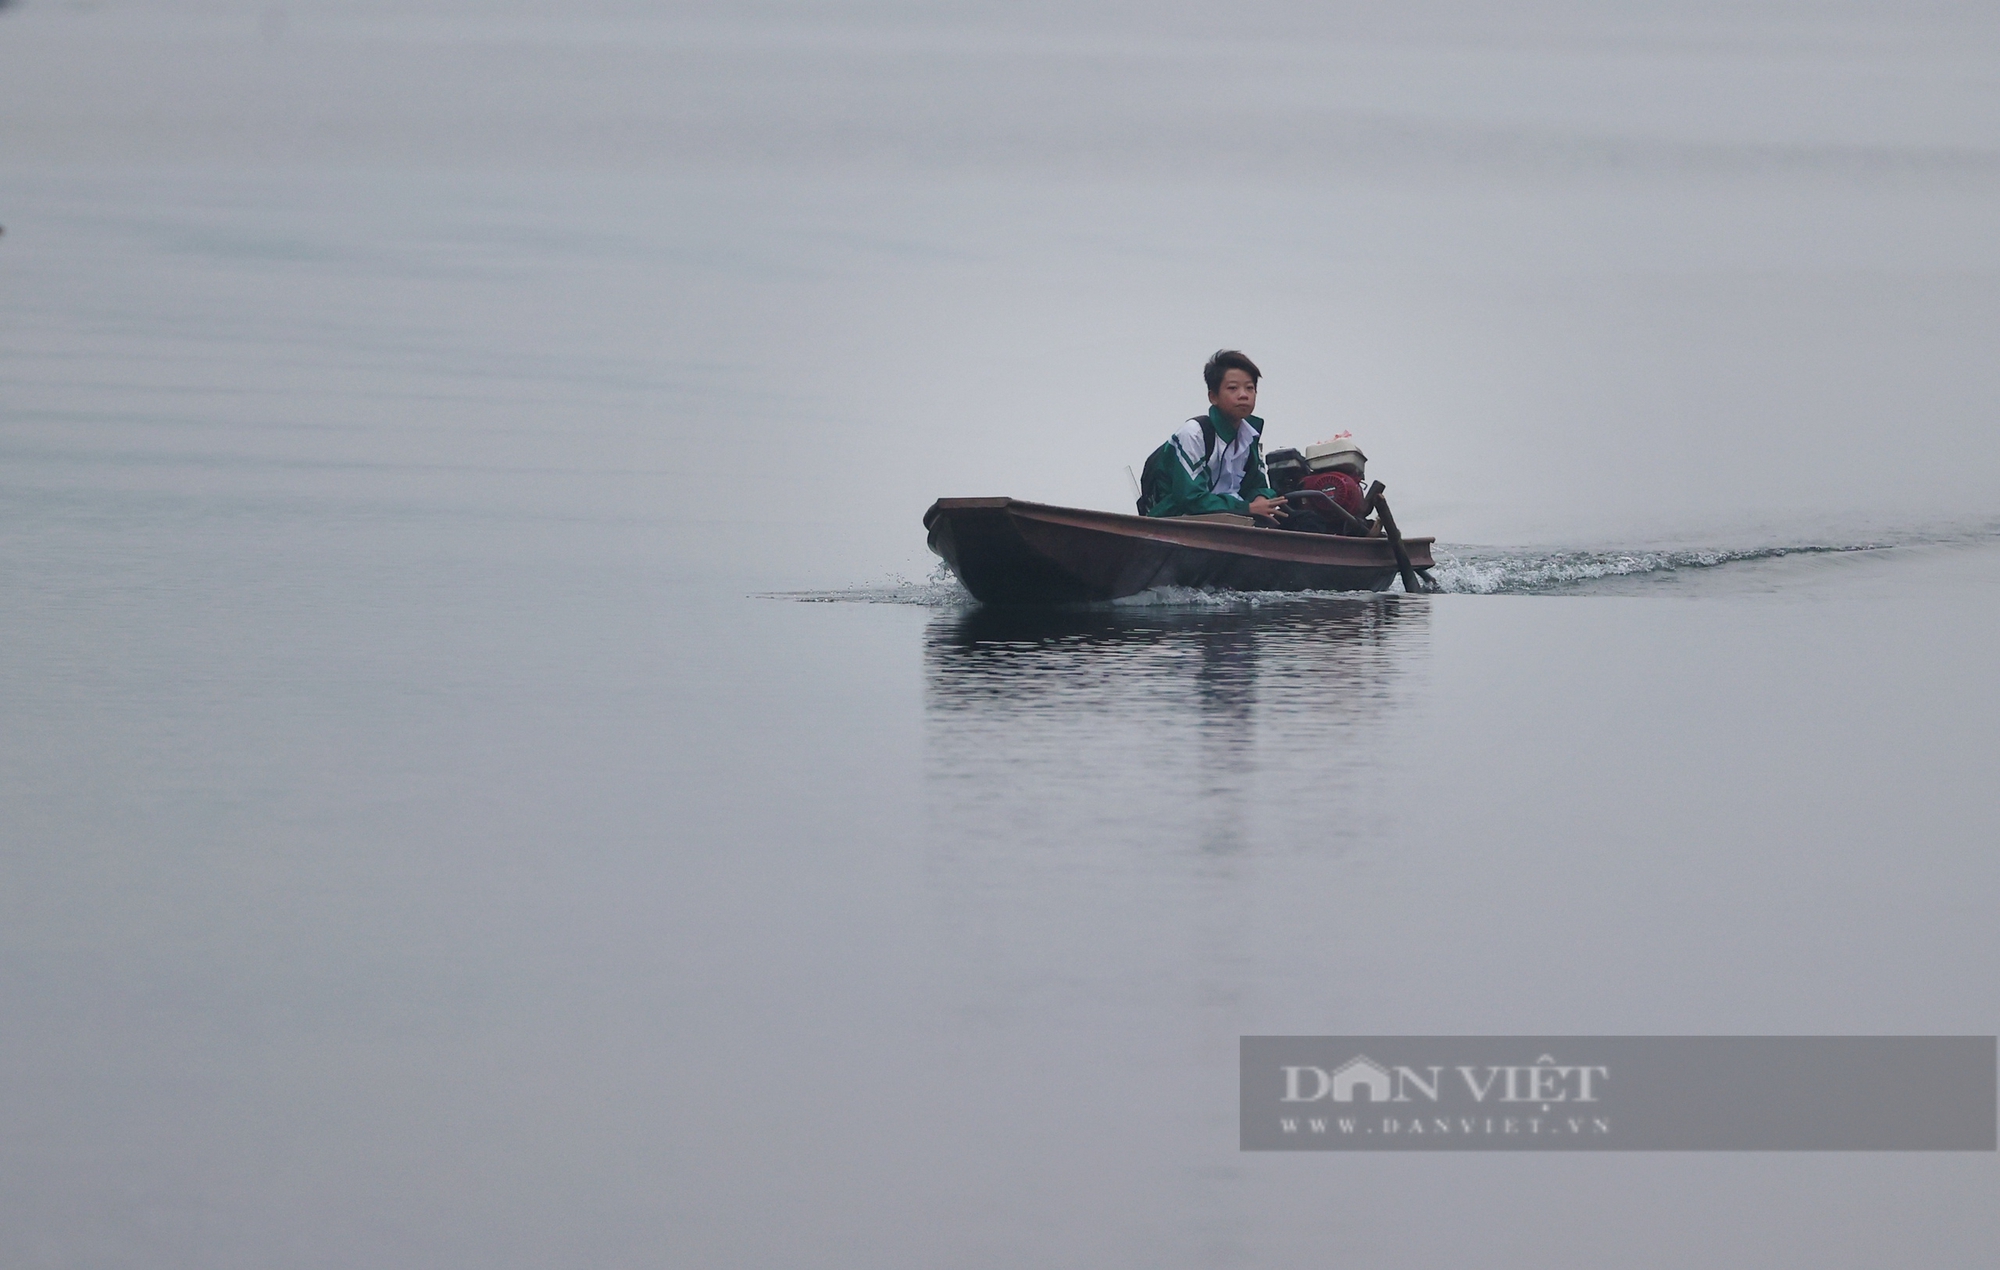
(1338, 486)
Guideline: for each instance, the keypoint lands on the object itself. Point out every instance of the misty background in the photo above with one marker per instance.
(488, 778)
(1681, 271)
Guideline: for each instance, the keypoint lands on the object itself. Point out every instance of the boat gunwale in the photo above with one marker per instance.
(1249, 540)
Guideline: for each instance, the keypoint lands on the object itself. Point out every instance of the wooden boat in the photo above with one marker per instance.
(1007, 551)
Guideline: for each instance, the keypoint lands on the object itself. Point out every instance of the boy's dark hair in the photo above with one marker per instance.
(1228, 359)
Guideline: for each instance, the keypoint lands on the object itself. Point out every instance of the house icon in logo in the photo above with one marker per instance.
(1362, 1070)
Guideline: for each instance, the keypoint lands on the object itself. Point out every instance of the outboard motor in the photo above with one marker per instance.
(1327, 498)
(1287, 469)
(1337, 455)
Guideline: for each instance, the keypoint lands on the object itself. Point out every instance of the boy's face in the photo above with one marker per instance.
(1237, 397)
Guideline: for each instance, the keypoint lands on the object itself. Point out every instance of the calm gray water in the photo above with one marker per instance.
(490, 779)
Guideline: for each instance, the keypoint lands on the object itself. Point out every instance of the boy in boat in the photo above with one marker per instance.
(1215, 462)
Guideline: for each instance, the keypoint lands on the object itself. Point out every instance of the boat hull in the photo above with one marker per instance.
(1007, 551)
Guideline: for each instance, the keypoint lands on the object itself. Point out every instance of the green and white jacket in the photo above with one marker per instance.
(1224, 479)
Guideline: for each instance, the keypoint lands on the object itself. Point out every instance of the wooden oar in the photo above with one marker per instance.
(1380, 505)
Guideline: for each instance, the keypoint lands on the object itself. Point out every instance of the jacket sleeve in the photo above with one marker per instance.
(1187, 494)
(1256, 477)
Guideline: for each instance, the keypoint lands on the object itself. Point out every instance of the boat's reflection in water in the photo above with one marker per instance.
(1214, 726)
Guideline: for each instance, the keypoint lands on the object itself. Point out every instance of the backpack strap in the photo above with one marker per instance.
(1207, 435)
(1149, 481)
